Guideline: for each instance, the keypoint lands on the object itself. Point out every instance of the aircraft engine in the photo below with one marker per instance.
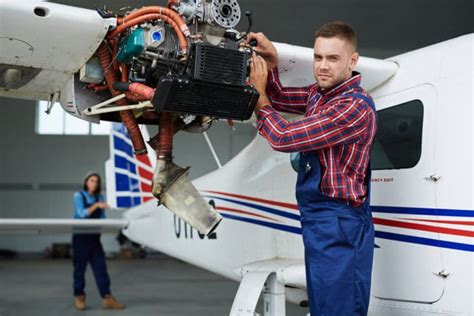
(180, 67)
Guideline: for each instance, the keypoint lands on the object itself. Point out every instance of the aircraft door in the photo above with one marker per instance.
(406, 261)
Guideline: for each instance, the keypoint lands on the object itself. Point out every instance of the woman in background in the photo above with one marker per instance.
(89, 204)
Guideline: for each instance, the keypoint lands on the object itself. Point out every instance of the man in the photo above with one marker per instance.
(334, 139)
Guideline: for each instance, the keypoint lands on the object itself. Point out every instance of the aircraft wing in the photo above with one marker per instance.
(296, 67)
(38, 226)
(42, 46)
(296, 70)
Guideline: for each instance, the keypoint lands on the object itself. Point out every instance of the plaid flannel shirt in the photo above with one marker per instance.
(339, 128)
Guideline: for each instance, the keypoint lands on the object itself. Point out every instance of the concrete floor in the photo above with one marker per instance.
(158, 285)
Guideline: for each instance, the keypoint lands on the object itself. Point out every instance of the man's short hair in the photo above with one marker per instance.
(337, 29)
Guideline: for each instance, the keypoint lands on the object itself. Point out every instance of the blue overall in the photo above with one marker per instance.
(339, 244)
(87, 248)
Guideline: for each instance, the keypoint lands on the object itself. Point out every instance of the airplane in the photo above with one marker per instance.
(421, 194)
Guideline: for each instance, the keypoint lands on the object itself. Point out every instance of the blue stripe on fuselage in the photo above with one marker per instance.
(375, 209)
(424, 241)
(286, 228)
(258, 207)
(421, 211)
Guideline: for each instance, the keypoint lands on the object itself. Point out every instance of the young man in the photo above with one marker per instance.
(334, 139)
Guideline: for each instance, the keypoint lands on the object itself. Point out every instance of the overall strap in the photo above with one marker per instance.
(95, 214)
(84, 199)
(366, 99)
(368, 176)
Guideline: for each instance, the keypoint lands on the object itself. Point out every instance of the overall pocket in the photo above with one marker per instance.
(350, 229)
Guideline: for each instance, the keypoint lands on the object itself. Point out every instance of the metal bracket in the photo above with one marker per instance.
(108, 106)
(252, 285)
(53, 98)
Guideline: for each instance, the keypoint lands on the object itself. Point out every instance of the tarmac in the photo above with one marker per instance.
(156, 285)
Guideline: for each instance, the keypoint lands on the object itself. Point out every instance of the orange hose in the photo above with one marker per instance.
(163, 11)
(141, 89)
(127, 117)
(134, 97)
(183, 43)
(138, 92)
(165, 136)
(130, 96)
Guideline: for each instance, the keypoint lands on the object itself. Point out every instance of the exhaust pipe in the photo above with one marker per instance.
(172, 187)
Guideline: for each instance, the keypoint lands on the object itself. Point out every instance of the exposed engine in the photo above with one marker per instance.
(179, 67)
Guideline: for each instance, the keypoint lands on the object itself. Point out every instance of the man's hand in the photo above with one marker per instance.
(258, 78)
(264, 48)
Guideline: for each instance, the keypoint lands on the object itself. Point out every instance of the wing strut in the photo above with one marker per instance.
(252, 285)
(211, 147)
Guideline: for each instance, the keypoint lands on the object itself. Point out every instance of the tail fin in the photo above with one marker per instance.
(128, 177)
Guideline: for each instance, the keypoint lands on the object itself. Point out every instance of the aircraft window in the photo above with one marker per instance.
(397, 143)
(58, 122)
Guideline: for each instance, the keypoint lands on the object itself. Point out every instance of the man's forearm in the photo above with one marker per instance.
(286, 99)
(342, 123)
(262, 101)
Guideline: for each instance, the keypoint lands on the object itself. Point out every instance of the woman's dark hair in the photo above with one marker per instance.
(99, 187)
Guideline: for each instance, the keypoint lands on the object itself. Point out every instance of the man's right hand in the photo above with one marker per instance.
(264, 48)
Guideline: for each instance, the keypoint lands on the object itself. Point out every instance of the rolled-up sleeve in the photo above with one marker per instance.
(287, 99)
(342, 122)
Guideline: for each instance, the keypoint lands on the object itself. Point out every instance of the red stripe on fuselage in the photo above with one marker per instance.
(422, 227)
(440, 221)
(233, 210)
(251, 198)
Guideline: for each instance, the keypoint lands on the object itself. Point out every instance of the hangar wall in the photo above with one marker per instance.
(384, 28)
(39, 173)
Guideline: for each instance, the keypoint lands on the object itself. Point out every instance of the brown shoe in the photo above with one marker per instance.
(109, 302)
(80, 302)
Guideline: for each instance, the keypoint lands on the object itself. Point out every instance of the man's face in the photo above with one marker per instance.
(334, 60)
